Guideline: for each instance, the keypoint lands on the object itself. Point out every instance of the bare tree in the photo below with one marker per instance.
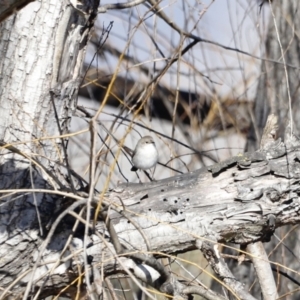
(42, 49)
(62, 235)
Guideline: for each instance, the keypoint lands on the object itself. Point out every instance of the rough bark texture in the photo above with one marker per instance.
(241, 200)
(256, 250)
(272, 96)
(42, 48)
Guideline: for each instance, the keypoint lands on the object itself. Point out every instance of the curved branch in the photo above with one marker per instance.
(104, 8)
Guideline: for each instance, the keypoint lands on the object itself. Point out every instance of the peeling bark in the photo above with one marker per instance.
(240, 204)
(241, 200)
(42, 49)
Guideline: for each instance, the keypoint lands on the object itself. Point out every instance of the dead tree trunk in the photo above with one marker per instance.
(241, 200)
(43, 251)
(42, 49)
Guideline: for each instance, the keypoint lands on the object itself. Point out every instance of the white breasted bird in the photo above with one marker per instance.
(145, 155)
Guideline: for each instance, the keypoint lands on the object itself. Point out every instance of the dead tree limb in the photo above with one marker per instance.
(241, 200)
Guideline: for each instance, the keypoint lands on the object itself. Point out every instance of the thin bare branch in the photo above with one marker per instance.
(104, 8)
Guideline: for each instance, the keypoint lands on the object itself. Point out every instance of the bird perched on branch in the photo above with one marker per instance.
(145, 155)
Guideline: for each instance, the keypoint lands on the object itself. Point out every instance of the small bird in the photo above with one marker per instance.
(145, 155)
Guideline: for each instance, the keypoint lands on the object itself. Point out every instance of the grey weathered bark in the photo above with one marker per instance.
(263, 270)
(272, 96)
(256, 250)
(241, 200)
(42, 49)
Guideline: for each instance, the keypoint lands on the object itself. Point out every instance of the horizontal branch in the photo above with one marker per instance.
(241, 200)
